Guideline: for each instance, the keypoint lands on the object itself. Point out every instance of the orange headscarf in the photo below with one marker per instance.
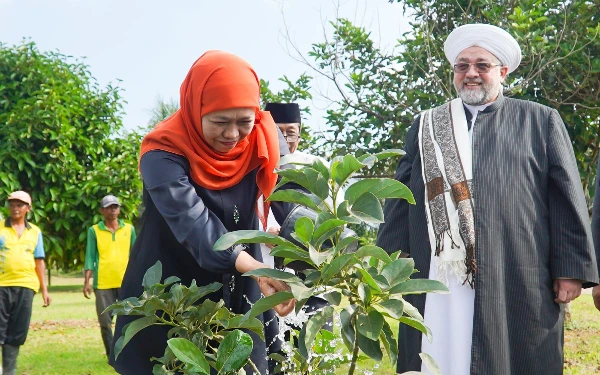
(219, 80)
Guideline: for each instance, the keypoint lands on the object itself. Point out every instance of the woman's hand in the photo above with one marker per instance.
(245, 263)
(269, 287)
(275, 231)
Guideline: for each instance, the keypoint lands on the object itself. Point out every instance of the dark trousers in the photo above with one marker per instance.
(15, 315)
(105, 298)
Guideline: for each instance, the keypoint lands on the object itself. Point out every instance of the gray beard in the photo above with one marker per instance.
(484, 95)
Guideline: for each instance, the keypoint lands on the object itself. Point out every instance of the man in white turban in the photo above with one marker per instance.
(500, 218)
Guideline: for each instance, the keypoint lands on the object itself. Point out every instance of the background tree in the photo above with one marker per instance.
(62, 141)
(382, 91)
(161, 110)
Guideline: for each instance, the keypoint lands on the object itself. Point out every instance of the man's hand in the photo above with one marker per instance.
(87, 290)
(46, 298)
(596, 296)
(269, 286)
(566, 290)
(275, 231)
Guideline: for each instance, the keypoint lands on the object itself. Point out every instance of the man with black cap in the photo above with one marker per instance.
(106, 257)
(288, 119)
(22, 274)
(500, 218)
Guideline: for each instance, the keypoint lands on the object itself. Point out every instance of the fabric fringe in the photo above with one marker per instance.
(439, 243)
(471, 266)
(445, 268)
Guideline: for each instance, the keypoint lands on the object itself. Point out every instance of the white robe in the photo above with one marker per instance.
(451, 346)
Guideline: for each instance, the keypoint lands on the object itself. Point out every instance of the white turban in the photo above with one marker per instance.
(491, 38)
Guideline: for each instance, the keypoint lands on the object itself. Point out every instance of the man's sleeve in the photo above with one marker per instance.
(571, 245)
(133, 236)
(393, 233)
(91, 250)
(39, 248)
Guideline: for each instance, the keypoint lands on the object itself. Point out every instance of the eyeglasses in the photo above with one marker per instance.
(480, 67)
(291, 137)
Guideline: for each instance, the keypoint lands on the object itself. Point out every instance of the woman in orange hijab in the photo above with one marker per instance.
(203, 170)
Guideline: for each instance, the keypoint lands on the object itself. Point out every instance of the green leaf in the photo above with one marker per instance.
(241, 322)
(368, 278)
(234, 351)
(267, 303)
(190, 354)
(319, 186)
(248, 236)
(373, 251)
(336, 265)
(389, 153)
(367, 208)
(344, 243)
(381, 188)
(418, 325)
(152, 275)
(300, 291)
(334, 298)
(326, 229)
(343, 170)
(392, 345)
(370, 325)
(292, 253)
(159, 369)
(312, 327)
(294, 196)
(319, 257)
(347, 329)
(398, 270)
(429, 362)
(394, 308)
(412, 311)
(419, 286)
(309, 179)
(304, 228)
(292, 159)
(370, 347)
(344, 213)
(171, 280)
(131, 329)
(275, 275)
(195, 293)
(364, 292)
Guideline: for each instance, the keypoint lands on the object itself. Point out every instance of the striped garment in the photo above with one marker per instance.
(531, 226)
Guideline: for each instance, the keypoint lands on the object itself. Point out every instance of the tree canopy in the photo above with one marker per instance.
(383, 90)
(63, 142)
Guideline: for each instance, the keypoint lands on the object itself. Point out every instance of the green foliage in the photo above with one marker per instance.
(383, 90)
(62, 141)
(162, 109)
(560, 42)
(372, 281)
(293, 92)
(196, 324)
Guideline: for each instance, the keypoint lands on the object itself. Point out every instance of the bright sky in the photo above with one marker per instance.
(149, 45)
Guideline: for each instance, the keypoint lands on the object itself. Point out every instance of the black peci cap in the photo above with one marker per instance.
(284, 113)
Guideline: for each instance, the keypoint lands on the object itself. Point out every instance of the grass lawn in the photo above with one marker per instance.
(64, 339)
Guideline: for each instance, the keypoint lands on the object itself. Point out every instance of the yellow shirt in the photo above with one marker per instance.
(107, 254)
(18, 254)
